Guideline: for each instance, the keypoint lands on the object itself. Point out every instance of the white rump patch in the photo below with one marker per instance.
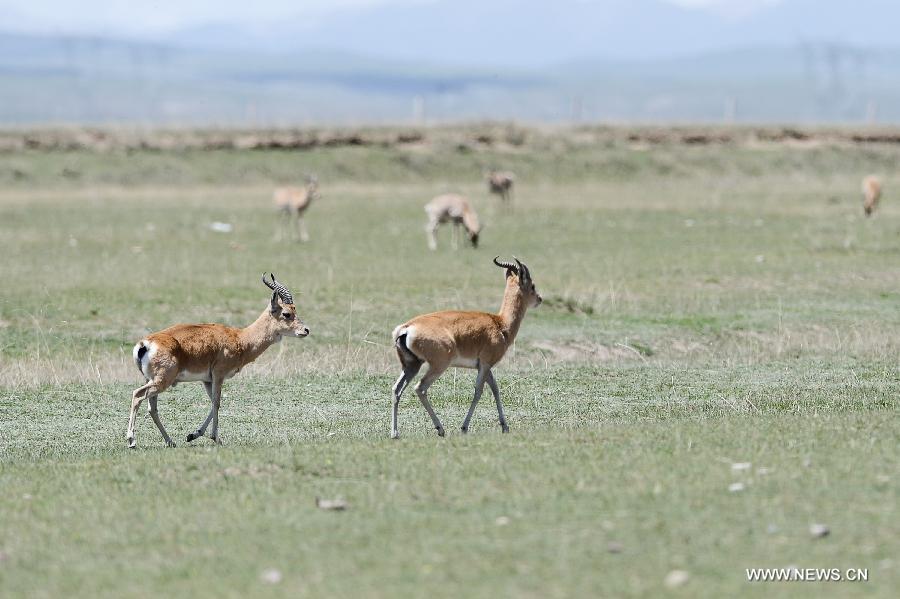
(410, 336)
(145, 359)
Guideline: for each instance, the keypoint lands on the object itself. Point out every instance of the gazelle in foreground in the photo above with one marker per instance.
(465, 339)
(501, 183)
(209, 353)
(292, 202)
(452, 208)
(871, 189)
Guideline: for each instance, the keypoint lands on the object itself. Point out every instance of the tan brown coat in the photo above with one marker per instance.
(871, 189)
(463, 339)
(207, 353)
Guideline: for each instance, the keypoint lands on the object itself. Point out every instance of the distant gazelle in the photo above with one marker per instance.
(292, 203)
(209, 353)
(501, 183)
(455, 209)
(871, 189)
(476, 340)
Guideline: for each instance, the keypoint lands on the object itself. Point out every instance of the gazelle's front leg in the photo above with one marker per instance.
(301, 224)
(489, 379)
(202, 428)
(216, 401)
(479, 387)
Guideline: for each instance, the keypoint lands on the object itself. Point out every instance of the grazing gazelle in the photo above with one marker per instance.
(292, 202)
(466, 339)
(209, 353)
(871, 189)
(501, 183)
(451, 208)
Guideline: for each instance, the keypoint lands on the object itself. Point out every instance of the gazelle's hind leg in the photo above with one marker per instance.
(422, 391)
(410, 370)
(489, 379)
(136, 398)
(154, 414)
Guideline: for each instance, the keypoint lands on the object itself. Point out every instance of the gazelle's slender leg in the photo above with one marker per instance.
(489, 378)
(216, 401)
(301, 224)
(454, 236)
(136, 398)
(202, 428)
(154, 414)
(399, 387)
(432, 240)
(479, 387)
(422, 391)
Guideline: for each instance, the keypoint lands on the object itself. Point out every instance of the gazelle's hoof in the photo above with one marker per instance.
(440, 432)
(395, 435)
(192, 436)
(464, 429)
(131, 444)
(170, 444)
(504, 428)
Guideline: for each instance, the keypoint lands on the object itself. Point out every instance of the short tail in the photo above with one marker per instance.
(407, 358)
(140, 349)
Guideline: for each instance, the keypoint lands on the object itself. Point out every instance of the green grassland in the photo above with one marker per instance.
(705, 305)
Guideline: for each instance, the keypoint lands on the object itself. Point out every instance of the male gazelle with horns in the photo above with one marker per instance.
(465, 339)
(209, 353)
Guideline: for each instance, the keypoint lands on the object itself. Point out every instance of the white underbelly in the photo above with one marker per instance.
(461, 362)
(186, 376)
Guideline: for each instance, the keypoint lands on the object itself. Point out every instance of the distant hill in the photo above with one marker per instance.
(80, 79)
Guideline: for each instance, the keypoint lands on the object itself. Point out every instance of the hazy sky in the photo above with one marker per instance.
(148, 18)
(505, 32)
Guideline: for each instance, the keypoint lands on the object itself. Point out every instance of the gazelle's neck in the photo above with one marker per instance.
(512, 311)
(256, 338)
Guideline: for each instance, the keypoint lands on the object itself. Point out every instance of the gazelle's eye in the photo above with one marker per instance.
(287, 315)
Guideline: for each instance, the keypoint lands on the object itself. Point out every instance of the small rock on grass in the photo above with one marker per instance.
(270, 576)
(676, 578)
(337, 504)
(614, 547)
(740, 466)
(736, 487)
(819, 530)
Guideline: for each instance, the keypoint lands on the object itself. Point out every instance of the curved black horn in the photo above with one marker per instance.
(506, 265)
(283, 292)
(524, 273)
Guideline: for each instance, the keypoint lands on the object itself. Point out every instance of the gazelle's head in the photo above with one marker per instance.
(522, 278)
(283, 311)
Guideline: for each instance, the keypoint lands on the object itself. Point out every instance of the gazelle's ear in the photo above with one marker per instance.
(274, 306)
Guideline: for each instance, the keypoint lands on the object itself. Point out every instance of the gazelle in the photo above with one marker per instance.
(292, 202)
(871, 189)
(209, 353)
(464, 339)
(451, 208)
(501, 183)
